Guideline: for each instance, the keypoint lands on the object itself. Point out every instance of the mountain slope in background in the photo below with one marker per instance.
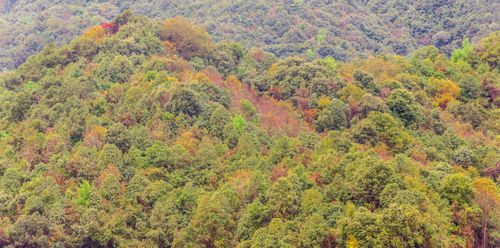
(333, 28)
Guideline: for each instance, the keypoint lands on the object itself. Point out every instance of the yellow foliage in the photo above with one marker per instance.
(351, 93)
(169, 47)
(200, 78)
(384, 68)
(233, 80)
(188, 140)
(188, 39)
(171, 79)
(109, 170)
(323, 101)
(487, 196)
(94, 136)
(273, 70)
(445, 91)
(352, 242)
(95, 33)
(240, 181)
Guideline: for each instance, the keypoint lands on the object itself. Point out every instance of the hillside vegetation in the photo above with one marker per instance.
(147, 133)
(339, 29)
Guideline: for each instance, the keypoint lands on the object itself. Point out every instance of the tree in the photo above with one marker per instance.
(360, 228)
(83, 194)
(226, 56)
(32, 230)
(189, 40)
(333, 117)
(365, 81)
(254, 216)
(402, 104)
(382, 128)
(371, 103)
(94, 33)
(489, 49)
(488, 199)
(115, 70)
(219, 118)
(277, 234)
(314, 232)
(110, 155)
(119, 136)
(457, 188)
(462, 54)
(213, 223)
(110, 188)
(464, 156)
(365, 180)
(444, 91)
(170, 158)
(185, 101)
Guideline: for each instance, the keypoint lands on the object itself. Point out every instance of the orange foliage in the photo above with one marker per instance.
(383, 152)
(384, 93)
(419, 155)
(256, 54)
(278, 171)
(275, 116)
(94, 136)
(310, 115)
(53, 144)
(213, 75)
(57, 175)
(316, 177)
(158, 130)
(169, 47)
(467, 131)
(302, 98)
(110, 170)
(174, 64)
(240, 181)
(32, 148)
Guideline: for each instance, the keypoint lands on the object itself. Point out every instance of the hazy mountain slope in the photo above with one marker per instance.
(336, 28)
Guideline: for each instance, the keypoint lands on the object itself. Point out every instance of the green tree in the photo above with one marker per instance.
(314, 232)
(118, 135)
(277, 234)
(185, 101)
(213, 222)
(365, 81)
(116, 70)
(333, 117)
(83, 194)
(457, 188)
(402, 104)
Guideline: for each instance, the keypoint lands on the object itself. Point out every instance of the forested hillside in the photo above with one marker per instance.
(147, 133)
(339, 28)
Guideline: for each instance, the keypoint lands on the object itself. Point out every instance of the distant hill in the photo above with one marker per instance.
(146, 133)
(336, 28)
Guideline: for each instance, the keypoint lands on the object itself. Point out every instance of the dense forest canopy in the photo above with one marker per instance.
(153, 133)
(339, 28)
